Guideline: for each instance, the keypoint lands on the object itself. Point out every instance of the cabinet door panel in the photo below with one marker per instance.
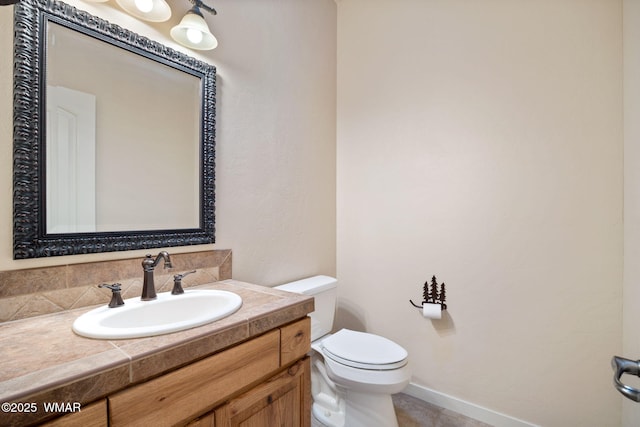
(281, 401)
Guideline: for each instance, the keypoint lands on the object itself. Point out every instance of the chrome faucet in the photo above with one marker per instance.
(148, 264)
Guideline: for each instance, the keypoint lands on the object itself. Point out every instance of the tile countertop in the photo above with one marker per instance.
(43, 360)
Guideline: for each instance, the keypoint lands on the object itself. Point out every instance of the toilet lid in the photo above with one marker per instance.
(365, 351)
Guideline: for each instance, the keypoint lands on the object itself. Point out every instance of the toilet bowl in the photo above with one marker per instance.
(353, 374)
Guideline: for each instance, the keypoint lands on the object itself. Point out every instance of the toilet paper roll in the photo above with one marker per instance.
(432, 311)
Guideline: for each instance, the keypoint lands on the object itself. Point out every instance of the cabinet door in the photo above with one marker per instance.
(284, 400)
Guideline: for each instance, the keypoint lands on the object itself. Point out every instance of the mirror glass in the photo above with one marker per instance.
(118, 109)
(114, 137)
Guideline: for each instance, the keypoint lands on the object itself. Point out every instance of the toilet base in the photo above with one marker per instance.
(359, 411)
(326, 417)
(339, 406)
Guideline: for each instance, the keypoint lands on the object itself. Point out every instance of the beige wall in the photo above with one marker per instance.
(275, 165)
(631, 290)
(482, 142)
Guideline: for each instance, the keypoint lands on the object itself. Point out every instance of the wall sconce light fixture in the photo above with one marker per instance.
(192, 31)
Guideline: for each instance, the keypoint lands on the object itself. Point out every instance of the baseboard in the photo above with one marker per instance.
(463, 407)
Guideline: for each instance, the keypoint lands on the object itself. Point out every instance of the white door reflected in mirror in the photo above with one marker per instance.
(71, 158)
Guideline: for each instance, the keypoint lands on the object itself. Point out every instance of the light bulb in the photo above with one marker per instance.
(194, 35)
(144, 6)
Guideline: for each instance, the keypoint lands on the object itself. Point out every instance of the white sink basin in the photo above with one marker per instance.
(168, 313)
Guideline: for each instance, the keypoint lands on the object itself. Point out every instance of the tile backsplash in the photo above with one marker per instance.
(37, 291)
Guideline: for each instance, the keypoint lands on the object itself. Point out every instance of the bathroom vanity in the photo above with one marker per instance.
(248, 367)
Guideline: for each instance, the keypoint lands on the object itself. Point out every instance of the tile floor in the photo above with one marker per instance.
(414, 412)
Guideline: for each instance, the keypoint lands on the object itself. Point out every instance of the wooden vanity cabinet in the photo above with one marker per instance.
(261, 382)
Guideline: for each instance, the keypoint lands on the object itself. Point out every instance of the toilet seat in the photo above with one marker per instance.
(364, 351)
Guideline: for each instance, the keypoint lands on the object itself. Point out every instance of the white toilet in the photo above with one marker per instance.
(353, 374)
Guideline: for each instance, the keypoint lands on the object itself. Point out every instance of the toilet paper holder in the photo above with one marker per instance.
(432, 294)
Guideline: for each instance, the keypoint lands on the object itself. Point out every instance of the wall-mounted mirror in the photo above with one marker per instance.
(113, 137)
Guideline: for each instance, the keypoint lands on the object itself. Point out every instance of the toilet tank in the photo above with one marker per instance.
(324, 290)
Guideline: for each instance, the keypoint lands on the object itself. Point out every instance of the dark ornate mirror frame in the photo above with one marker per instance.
(30, 239)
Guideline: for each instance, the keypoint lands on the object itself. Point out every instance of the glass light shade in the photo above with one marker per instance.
(159, 11)
(192, 28)
(145, 6)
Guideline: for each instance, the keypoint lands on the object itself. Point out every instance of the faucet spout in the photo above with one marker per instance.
(148, 266)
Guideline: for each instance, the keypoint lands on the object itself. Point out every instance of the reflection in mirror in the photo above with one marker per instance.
(113, 137)
(147, 123)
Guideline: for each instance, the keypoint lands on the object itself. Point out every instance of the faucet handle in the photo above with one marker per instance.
(116, 287)
(116, 297)
(177, 283)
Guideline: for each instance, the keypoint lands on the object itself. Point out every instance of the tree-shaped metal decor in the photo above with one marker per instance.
(432, 294)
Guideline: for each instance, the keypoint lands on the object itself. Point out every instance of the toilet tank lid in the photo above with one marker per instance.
(310, 285)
